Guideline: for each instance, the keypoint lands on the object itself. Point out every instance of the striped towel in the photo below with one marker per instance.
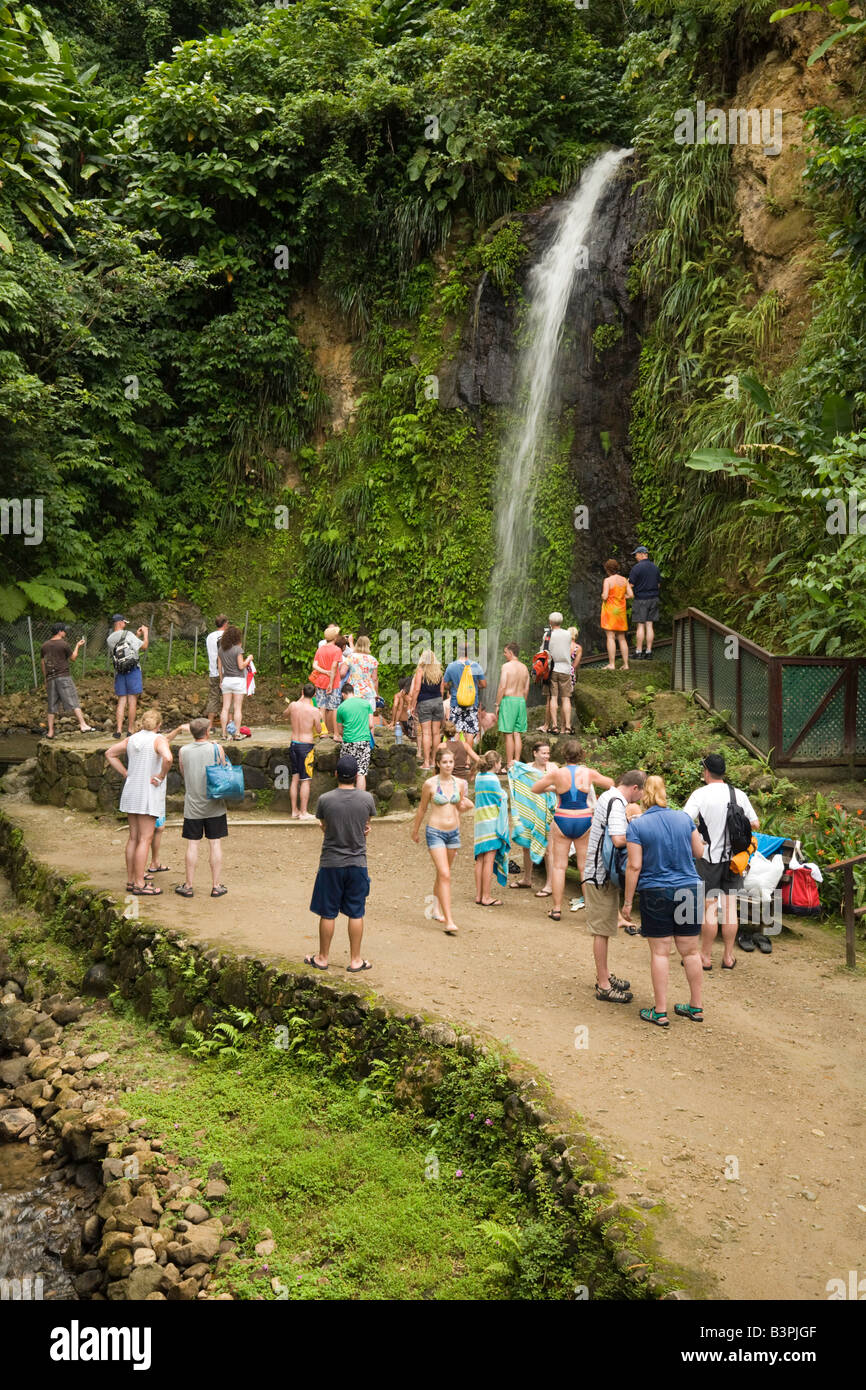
(532, 812)
(491, 822)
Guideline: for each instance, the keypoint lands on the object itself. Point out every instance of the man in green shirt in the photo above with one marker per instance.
(354, 722)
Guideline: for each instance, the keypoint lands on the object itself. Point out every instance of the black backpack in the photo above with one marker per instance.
(737, 827)
(124, 656)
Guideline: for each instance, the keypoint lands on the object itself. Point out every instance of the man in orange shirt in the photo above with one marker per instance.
(325, 677)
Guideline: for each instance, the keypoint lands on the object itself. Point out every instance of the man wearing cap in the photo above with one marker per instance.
(342, 883)
(559, 647)
(708, 808)
(59, 685)
(645, 580)
(124, 648)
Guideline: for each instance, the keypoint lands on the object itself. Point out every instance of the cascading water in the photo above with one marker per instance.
(551, 283)
(37, 1224)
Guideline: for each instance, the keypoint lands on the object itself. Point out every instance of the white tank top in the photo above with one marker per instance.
(139, 795)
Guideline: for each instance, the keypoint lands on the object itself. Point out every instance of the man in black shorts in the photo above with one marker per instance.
(201, 816)
(645, 580)
(342, 883)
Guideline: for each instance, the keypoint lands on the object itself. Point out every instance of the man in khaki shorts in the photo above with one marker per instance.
(214, 694)
(559, 646)
(601, 896)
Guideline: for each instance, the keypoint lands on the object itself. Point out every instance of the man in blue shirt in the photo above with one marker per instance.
(464, 717)
(645, 580)
(663, 845)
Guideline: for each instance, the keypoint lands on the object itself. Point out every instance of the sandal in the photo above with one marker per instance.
(614, 995)
(554, 731)
(650, 1016)
(148, 891)
(130, 886)
(183, 890)
(494, 902)
(618, 983)
(691, 1011)
(544, 893)
(555, 915)
(728, 967)
(219, 892)
(355, 969)
(311, 960)
(520, 884)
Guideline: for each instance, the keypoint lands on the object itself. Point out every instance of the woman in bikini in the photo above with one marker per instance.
(572, 818)
(445, 797)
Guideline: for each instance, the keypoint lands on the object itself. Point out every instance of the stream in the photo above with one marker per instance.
(37, 1224)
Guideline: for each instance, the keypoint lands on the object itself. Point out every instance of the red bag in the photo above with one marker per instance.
(541, 667)
(800, 894)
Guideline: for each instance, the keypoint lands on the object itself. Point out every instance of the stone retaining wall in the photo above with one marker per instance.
(173, 980)
(79, 777)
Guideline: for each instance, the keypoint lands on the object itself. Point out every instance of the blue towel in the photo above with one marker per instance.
(769, 844)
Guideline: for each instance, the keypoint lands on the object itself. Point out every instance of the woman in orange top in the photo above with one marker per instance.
(613, 617)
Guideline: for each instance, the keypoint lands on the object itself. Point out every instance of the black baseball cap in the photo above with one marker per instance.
(715, 764)
(118, 618)
(347, 768)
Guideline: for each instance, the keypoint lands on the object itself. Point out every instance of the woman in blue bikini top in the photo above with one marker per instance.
(572, 817)
(443, 831)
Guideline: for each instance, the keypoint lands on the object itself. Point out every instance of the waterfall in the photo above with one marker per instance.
(551, 283)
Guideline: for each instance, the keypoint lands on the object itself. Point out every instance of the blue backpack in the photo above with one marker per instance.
(614, 857)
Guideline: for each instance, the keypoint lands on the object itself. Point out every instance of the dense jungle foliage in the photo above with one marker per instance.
(181, 179)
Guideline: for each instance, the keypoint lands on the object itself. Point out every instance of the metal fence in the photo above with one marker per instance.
(801, 711)
(171, 654)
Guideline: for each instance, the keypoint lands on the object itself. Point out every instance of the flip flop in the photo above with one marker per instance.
(728, 967)
(746, 943)
(763, 945)
(355, 969)
(450, 931)
(707, 968)
(88, 729)
(544, 893)
(554, 915)
(311, 960)
(159, 869)
(494, 902)
(520, 885)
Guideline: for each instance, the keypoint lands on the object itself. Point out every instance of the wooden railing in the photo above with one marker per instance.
(849, 911)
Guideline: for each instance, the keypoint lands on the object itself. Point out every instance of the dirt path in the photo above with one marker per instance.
(773, 1079)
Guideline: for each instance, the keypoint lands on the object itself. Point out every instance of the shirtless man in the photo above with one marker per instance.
(511, 702)
(305, 718)
(541, 764)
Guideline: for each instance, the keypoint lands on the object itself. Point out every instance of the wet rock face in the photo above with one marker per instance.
(594, 386)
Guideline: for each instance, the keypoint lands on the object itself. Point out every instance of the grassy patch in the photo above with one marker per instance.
(366, 1195)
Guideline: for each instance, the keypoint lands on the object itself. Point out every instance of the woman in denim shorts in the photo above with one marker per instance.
(445, 797)
(425, 702)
